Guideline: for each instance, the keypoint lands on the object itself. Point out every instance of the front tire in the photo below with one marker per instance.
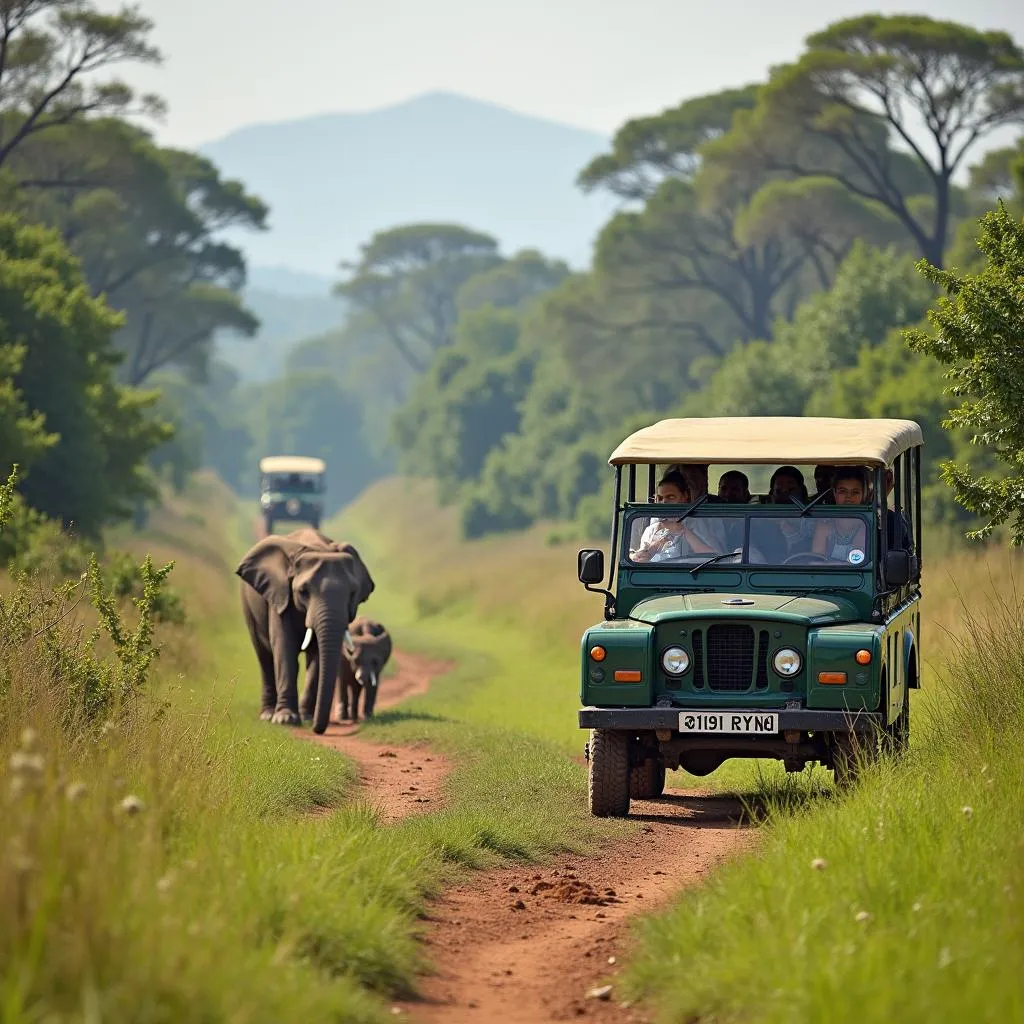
(897, 733)
(608, 783)
(852, 752)
(647, 780)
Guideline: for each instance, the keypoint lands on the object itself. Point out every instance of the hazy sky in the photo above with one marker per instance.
(591, 63)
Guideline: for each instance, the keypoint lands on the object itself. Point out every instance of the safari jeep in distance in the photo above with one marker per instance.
(785, 627)
(291, 488)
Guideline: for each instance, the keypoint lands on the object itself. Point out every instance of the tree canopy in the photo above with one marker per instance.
(977, 330)
(936, 88)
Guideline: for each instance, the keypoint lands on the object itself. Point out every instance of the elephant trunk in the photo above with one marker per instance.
(329, 632)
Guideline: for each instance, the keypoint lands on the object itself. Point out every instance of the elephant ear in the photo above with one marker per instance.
(363, 585)
(268, 567)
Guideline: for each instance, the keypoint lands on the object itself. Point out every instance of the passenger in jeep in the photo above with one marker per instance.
(836, 538)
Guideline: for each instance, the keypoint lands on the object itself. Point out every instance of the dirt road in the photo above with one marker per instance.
(527, 945)
(534, 945)
(396, 780)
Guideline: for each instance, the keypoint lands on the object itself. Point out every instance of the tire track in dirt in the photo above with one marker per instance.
(526, 945)
(395, 780)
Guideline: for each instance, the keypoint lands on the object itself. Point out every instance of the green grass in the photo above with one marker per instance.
(918, 910)
(224, 898)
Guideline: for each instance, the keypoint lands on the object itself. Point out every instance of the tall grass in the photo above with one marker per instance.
(158, 861)
(901, 901)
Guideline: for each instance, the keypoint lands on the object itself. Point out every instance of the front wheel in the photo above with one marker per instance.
(852, 752)
(897, 734)
(647, 780)
(608, 781)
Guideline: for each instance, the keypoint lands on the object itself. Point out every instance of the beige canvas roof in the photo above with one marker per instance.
(769, 439)
(291, 464)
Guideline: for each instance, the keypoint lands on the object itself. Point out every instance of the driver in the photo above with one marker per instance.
(665, 539)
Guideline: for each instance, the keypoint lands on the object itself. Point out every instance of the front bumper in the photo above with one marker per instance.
(642, 719)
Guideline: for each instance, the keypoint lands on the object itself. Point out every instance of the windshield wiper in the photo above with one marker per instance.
(714, 558)
(805, 509)
(693, 508)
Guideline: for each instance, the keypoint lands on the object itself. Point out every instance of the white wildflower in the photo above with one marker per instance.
(968, 812)
(27, 764)
(75, 791)
(945, 957)
(131, 804)
(819, 863)
(863, 917)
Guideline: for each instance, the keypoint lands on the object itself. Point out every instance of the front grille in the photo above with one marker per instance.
(730, 658)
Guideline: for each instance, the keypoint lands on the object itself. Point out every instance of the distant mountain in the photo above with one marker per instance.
(332, 181)
(288, 281)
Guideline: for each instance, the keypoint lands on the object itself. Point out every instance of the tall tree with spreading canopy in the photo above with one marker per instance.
(408, 279)
(50, 54)
(745, 237)
(145, 223)
(936, 87)
(978, 331)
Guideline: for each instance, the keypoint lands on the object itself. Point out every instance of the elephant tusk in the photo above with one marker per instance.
(347, 642)
(307, 638)
(373, 680)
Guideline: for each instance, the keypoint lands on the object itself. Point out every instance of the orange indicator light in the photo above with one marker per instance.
(835, 678)
(863, 657)
(598, 653)
(625, 676)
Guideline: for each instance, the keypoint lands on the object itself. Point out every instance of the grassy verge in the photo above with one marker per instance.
(158, 860)
(901, 901)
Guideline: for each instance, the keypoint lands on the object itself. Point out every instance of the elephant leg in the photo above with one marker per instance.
(268, 697)
(308, 706)
(285, 641)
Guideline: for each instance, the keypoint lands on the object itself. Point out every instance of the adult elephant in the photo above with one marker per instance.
(300, 591)
(366, 652)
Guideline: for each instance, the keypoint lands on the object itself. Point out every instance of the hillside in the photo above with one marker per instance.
(333, 180)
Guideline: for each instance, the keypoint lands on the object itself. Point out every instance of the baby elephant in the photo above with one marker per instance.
(365, 652)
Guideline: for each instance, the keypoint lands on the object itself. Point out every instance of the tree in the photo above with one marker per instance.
(977, 329)
(467, 402)
(873, 292)
(50, 50)
(311, 413)
(648, 151)
(863, 79)
(145, 223)
(513, 283)
(95, 469)
(408, 278)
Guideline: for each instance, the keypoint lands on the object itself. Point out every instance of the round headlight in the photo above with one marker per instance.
(787, 662)
(293, 507)
(675, 661)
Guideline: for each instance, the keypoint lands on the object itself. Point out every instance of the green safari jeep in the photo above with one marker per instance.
(777, 625)
(291, 489)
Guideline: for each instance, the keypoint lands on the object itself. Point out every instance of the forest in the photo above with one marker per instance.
(766, 259)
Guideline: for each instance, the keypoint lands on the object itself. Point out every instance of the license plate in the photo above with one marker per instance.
(759, 723)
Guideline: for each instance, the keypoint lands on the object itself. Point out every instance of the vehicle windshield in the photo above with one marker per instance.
(782, 539)
(295, 483)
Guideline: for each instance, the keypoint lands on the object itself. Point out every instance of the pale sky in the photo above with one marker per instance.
(590, 63)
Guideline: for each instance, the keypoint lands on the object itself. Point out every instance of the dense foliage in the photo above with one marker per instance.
(763, 262)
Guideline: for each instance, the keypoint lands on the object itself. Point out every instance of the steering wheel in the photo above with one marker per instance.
(812, 555)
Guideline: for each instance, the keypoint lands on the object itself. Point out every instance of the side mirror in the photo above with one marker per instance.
(590, 566)
(897, 568)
